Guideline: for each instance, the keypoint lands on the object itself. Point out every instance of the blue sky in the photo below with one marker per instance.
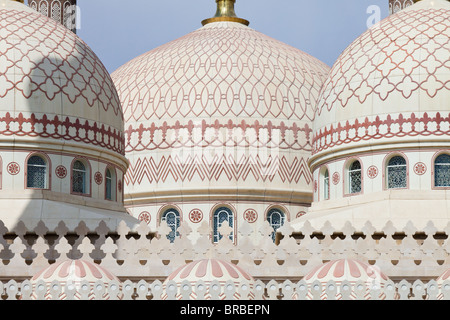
(119, 30)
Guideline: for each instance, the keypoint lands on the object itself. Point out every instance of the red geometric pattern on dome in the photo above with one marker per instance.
(183, 170)
(63, 64)
(221, 70)
(406, 53)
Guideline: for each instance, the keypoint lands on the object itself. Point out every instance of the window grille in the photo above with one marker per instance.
(220, 215)
(56, 11)
(109, 183)
(355, 177)
(442, 171)
(396, 173)
(79, 174)
(36, 173)
(172, 218)
(43, 9)
(326, 185)
(276, 219)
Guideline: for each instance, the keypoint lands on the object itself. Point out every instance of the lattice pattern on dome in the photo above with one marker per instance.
(223, 69)
(64, 64)
(409, 44)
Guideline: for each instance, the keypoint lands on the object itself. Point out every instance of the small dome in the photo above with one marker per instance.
(208, 270)
(348, 270)
(444, 277)
(74, 272)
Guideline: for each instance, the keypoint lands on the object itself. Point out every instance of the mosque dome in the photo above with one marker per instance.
(78, 275)
(347, 271)
(54, 88)
(391, 86)
(208, 271)
(224, 112)
(61, 125)
(381, 131)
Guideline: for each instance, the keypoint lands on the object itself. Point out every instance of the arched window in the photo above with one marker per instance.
(222, 214)
(43, 9)
(355, 177)
(326, 185)
(37, 172)
(172, 218)
(110, 184)
(56, 11)
(442, 171)
(276, 219)
(80, 174)
(396, 173)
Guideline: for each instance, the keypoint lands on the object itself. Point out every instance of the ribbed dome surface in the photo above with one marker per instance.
(347, 271)
(208, 271)
(76, 273)
(52, 85)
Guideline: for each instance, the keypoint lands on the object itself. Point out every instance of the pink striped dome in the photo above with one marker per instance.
(209, 270)
(75, 272)
(445, 276)
(345, 269)
(349, 270)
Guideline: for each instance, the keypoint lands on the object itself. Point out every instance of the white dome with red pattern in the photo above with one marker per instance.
(222, 108)
(391, 85)
(53, 88)
(76, 273)
(208, 271)
(346, 270)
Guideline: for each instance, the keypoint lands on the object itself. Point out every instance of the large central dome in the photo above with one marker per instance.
(223, 113)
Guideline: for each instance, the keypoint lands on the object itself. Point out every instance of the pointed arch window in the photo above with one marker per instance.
(276, 219)
(396, 173)
(326, 185)
(220, 215)
(442, 171)
(37, 172)
(110, 184)
(80, 177)
(355, 177)
(172, 218)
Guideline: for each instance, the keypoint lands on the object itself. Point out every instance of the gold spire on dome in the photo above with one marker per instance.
(225, 12)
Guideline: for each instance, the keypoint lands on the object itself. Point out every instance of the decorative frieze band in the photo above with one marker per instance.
(217, 134)
(66, 129)
(382, 127)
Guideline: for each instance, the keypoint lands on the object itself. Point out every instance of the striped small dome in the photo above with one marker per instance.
(444, 277)
(76, 272)
(351, 271)
(209, 270)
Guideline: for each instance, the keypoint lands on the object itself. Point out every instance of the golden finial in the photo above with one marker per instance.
(225, 12)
